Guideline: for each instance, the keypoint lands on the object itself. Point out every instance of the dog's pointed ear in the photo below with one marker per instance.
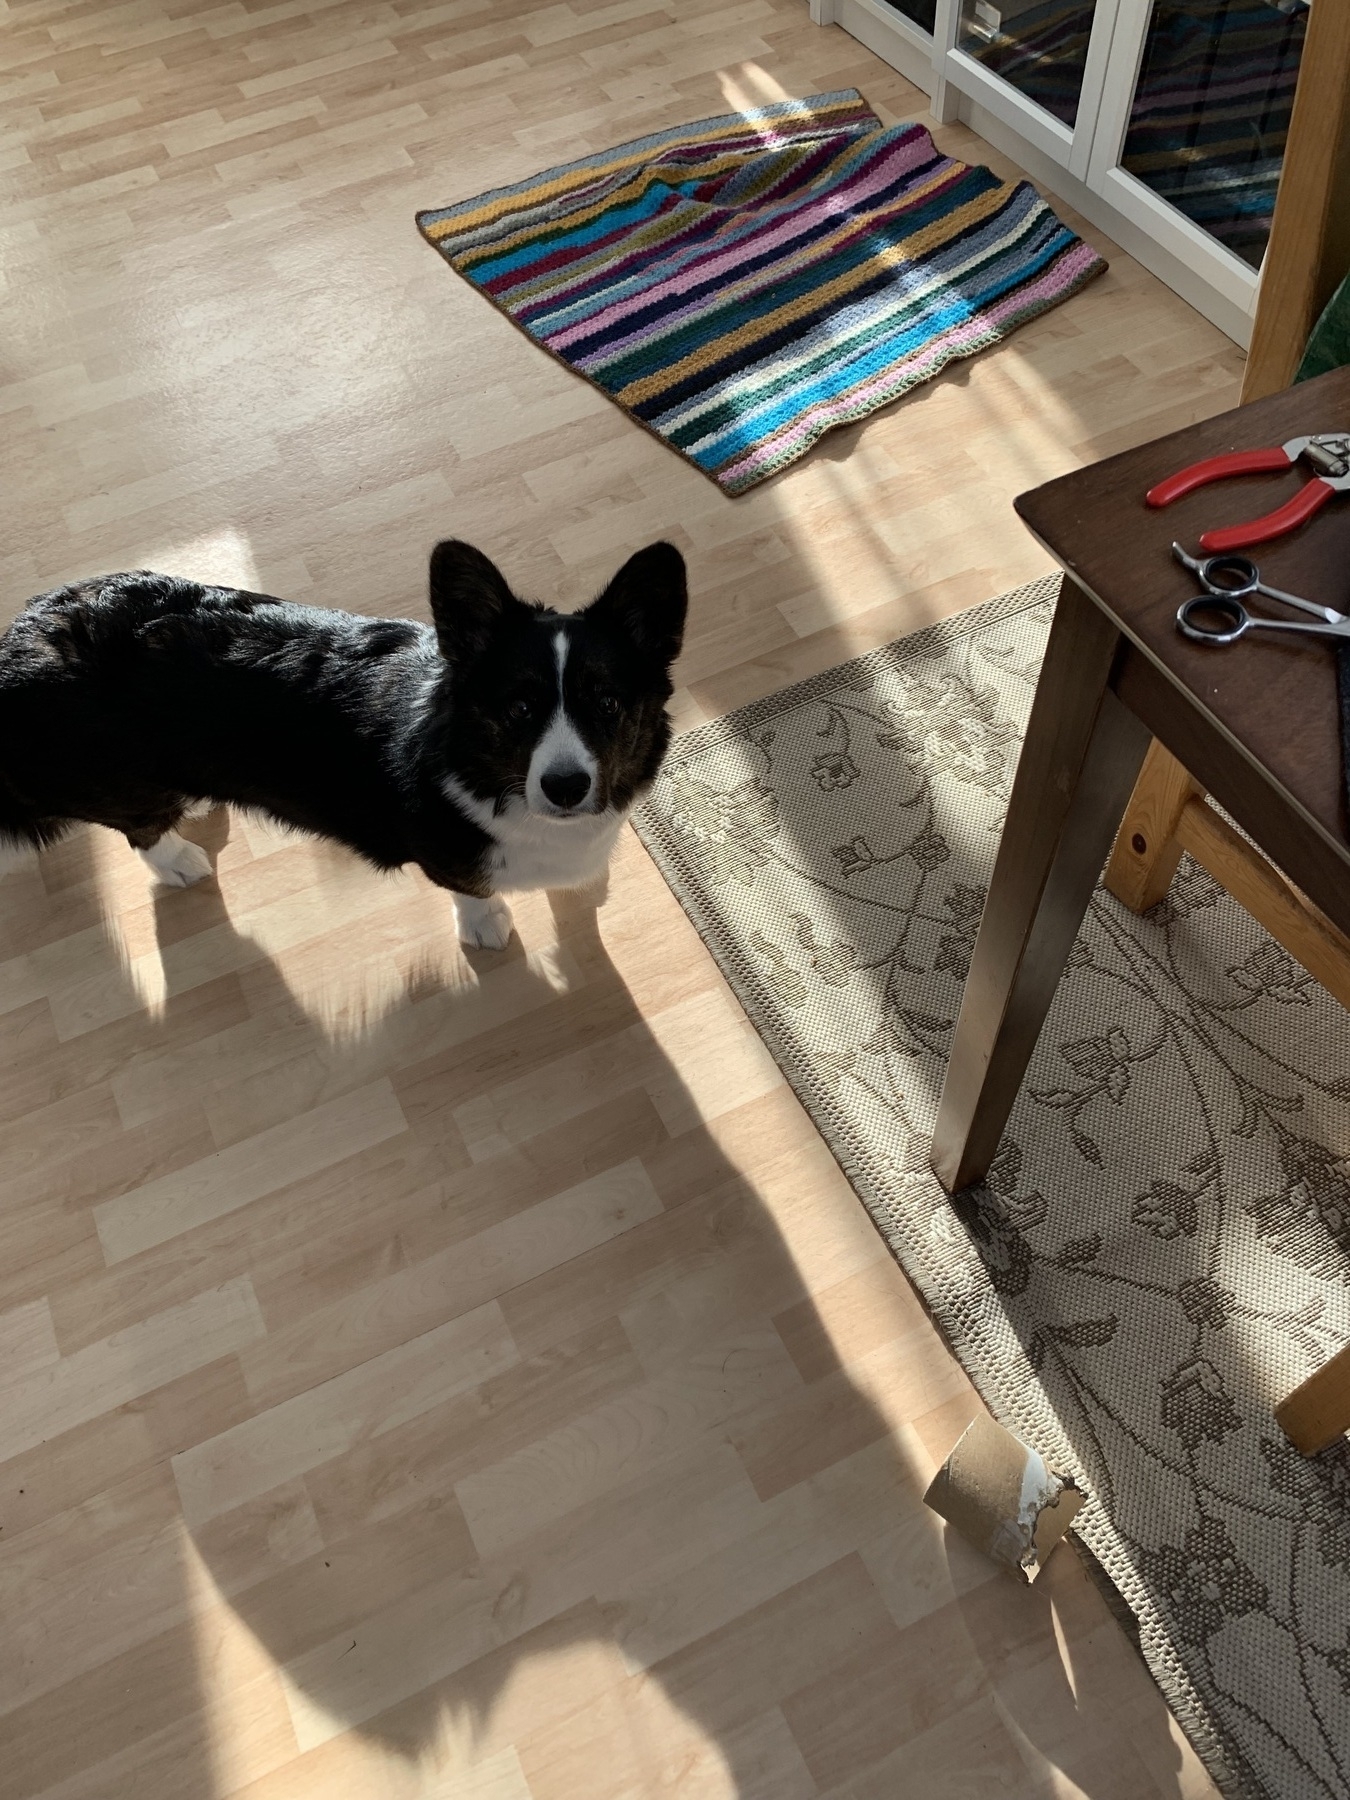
(468, 596)
(647, 601)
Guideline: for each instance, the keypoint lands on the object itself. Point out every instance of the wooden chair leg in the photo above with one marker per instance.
(1146, 851)
(1318, 1410)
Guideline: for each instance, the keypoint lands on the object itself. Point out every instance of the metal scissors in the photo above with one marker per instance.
(1232, 621)
(1326, 453)
(1234, 577)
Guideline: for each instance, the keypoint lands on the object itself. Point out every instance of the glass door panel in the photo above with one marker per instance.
(1207, 125)
(1039, 47)
(922, 13)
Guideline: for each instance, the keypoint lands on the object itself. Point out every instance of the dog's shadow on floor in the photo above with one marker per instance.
(666, 1486)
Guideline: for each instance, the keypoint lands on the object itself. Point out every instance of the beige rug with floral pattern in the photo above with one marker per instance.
(1162, 1249)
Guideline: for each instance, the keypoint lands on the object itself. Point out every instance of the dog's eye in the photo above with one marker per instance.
(608, 704)
(519, 710)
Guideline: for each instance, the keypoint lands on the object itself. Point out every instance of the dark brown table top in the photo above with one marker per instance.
(1273, 699)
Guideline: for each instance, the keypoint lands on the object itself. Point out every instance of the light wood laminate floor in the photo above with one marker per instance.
(439, 1375)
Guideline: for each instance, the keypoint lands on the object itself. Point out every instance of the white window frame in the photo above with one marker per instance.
(1070, 147)
(1162, 221)
(887, 33)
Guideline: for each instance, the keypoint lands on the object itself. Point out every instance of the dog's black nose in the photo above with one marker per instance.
(565, 787)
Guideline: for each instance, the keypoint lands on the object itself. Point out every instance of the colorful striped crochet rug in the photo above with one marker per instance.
(743, 284)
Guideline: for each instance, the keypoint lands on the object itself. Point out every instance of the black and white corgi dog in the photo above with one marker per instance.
(500, 748)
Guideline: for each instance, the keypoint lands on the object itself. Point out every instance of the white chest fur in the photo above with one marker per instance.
(533, 852)
(530, 852)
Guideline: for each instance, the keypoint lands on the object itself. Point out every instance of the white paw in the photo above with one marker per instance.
(176, 862)
(483, 924)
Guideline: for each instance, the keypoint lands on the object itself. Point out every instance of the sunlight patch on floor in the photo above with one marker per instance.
(243, 1712)
(747, 87)
(223, 558)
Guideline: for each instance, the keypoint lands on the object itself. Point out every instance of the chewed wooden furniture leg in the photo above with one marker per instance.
(1147, 850)
(1318, 1410)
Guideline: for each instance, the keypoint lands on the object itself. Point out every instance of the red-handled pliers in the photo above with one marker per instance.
(1327, 454)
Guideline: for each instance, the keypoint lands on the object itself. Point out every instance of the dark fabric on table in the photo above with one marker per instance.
(1343, 683)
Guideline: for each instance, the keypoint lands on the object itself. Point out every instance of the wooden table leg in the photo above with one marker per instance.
(1082, 752)
(1318, 1410)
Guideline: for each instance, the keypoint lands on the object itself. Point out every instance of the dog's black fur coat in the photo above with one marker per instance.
(126, 697)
